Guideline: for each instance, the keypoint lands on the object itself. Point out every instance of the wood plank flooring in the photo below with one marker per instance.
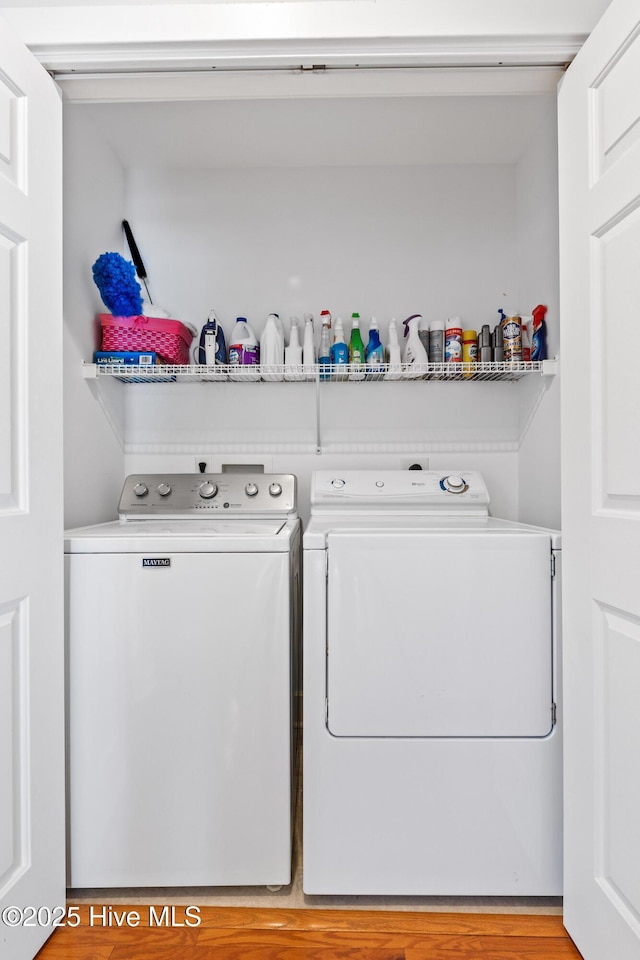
(244, 933)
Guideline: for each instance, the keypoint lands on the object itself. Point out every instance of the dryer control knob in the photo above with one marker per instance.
(251, 489)
(454, 484)
(141, 489)
(208, 490)
(275, 489)
(164, 489)
(337, 483)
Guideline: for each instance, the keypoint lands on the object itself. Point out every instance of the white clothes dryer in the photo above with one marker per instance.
(183, 628)
(432, 722)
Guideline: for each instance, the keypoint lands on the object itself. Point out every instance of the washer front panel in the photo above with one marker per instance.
(439, 635)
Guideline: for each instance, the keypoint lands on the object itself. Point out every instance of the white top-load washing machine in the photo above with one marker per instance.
(183, 629)
(432, 742)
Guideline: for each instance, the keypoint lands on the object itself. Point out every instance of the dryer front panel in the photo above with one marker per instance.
(439, 634)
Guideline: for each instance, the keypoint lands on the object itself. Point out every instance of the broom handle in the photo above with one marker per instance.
(135, 255)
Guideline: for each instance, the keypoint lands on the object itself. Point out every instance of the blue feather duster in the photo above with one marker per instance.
(115, 278)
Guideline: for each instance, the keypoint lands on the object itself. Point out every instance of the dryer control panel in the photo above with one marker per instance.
(177, 495)
(423, 492)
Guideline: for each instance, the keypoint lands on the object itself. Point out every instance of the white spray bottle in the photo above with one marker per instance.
(272, 348)
(308, 348)
(416, 358)
(293, 354)
(393, 353)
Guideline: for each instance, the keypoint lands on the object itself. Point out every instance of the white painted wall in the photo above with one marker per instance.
(386, 241)
(539, 400)
(94, 186)
(246, 239)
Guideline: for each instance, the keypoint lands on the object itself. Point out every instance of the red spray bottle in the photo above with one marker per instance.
(539, 337)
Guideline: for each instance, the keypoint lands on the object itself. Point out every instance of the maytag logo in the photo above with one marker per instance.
(156, 561)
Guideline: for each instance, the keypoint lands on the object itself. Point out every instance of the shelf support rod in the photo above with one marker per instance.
(318, 442)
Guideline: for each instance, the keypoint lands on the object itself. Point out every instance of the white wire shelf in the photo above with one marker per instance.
(343, 373)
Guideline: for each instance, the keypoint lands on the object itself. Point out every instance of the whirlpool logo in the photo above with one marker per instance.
(156, 561)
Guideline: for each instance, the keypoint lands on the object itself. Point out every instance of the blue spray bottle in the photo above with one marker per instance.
(539, 337)
(339, 348)
(375, 351)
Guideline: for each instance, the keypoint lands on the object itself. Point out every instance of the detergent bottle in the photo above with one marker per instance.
(392, 353)
(244, 351)
(272, 348)
(375, 350)
(415, 358)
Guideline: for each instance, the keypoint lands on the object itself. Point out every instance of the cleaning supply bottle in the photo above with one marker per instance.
(436, 342)
(485, 348)
(392, 352)
(272, 348)
(525, 326)
(324, 353)
(374, 353)
(243, 351)
(498, 344)
(415, 357)
(356, 349)
(453, 340)
(308, 348)
(424, 333)
(293, 354)
(511, 336)
(469, 350)
(539, 337)
(339, 348)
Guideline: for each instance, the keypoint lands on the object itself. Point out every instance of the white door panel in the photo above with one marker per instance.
(439, 635)
(31, 629)
(599, 116)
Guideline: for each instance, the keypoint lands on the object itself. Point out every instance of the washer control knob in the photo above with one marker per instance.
(141, 489)
(337, 483)
(379, 483)
(454, 484)
(208, 490)
(251, 489)
(164, 489)
(275, 489)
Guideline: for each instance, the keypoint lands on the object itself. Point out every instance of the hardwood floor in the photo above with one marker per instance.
(242, 933)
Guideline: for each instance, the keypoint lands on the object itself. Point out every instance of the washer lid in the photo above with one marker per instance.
(320, 527)
(182, 536)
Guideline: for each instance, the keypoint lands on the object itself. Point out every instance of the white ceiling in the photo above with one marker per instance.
(308, 132)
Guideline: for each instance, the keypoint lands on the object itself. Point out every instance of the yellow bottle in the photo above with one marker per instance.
(469, 349)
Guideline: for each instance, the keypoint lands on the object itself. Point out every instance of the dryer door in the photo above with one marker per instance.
(439, 634)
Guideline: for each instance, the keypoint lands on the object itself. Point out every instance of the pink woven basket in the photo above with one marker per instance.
(169, 338)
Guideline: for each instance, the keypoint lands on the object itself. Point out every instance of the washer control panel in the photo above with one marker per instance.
(391, 491)
(208, 494)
